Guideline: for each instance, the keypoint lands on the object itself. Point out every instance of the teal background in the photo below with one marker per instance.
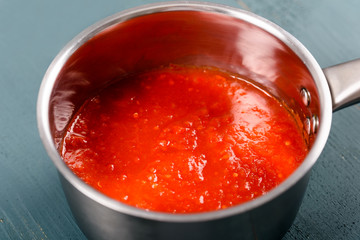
(32, 204)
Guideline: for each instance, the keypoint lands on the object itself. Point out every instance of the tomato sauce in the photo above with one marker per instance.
(183, 139)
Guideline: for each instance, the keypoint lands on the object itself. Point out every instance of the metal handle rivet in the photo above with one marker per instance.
(305, 95)
(314, 124)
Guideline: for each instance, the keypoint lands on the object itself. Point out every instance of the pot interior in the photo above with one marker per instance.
(126, 44)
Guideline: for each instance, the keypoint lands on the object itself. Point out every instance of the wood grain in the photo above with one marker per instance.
(32, 204)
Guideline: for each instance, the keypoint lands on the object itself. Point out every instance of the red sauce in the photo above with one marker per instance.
(183, 139)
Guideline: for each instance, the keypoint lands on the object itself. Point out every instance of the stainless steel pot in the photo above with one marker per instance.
(199, 34)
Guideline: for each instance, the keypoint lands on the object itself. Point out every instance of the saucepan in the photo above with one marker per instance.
(193, 33)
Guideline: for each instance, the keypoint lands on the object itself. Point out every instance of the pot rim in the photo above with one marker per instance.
(295, 45)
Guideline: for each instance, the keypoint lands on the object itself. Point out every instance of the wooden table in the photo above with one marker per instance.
(32, 204)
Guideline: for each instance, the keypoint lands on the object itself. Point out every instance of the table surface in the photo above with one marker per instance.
(32, 203)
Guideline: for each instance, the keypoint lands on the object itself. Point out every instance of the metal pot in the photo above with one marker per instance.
(198, 34)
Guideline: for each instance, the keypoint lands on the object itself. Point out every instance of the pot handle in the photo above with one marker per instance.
(344, 83)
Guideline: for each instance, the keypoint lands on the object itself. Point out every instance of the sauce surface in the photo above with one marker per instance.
(183, 139)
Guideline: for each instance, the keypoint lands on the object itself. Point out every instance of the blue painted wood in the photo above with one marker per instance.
(32, 204)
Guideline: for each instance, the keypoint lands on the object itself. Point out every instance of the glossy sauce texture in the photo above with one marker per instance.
(183, 139)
